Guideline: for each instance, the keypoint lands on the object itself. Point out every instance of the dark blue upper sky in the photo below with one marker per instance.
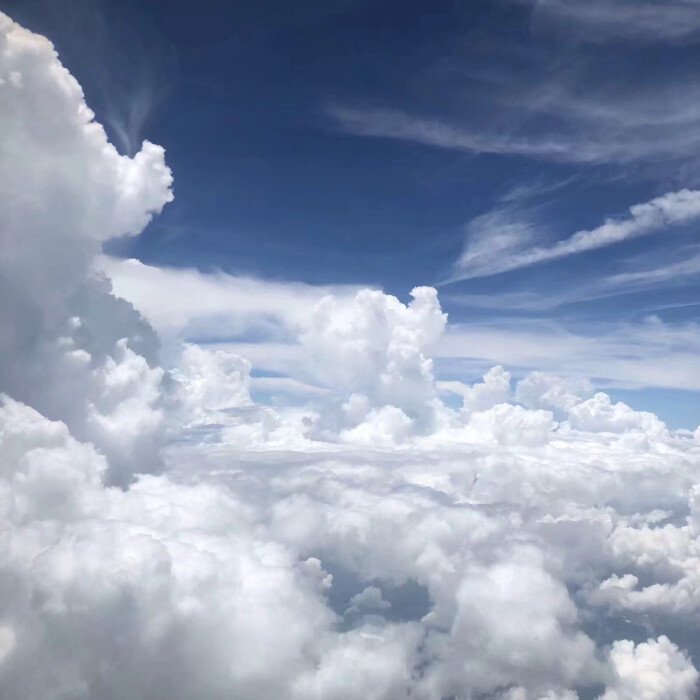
(370, 142)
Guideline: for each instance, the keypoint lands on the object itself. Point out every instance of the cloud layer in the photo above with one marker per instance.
(164, 535)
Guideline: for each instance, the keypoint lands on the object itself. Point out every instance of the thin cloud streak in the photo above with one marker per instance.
(645, 277)
(395, 124)
(607, 20)
(651, 354)
(669, 210)
(598, 129)
(675, 272)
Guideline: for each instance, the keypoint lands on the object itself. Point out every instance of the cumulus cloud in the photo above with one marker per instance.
(65, 190)
(212, 380)
(599, 414)
(559, 394)
(165, 535)
(376, 346)
(651, 670)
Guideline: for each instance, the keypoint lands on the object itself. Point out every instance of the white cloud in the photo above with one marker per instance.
(197, 305)
(476, 551)
(395, 124)
(542, 390)
(493, 390)
(652, 670)
(562, 101)
(598, 414)
(645, 273)
(66, 190)
(212, 380)
(497, 249)
(609, 20)
(376, 346)
(383, 427)
(512, 425)
(608, 125)
(663, 274)
(646, 354)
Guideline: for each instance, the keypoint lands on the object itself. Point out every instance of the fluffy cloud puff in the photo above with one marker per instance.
(651, 670)
(375, 346)
(65, 190)
(374, 543)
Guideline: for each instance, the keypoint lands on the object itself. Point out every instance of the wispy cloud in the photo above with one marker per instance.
(595, 129)
(128, 66)
(604, 20)
(496, 246)
(640, 275)
(536, 189)
(495, 237)
(647, 354)
(395, 124)
(671, 272)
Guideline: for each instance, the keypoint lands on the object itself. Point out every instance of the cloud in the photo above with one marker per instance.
(66, 190)
(562, 102)
(494, 238)
(371, 542)
(609, 20)
(206, 306)
(494, 247)
(211, 381)
(552, 393)
(376, 346)
(656, 271)
(395, 124)
(650, 670)
(493, 390)
(647, 354)
(207, 570)
(660, 275)
(609, 126)
(599, 415)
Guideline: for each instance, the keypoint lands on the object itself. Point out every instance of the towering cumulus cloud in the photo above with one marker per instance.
(164, 535)
(65, 190)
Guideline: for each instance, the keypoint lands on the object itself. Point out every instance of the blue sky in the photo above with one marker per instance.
(401, 144)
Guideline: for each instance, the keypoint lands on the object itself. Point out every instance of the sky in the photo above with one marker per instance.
(396, 145)
(349, 351)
